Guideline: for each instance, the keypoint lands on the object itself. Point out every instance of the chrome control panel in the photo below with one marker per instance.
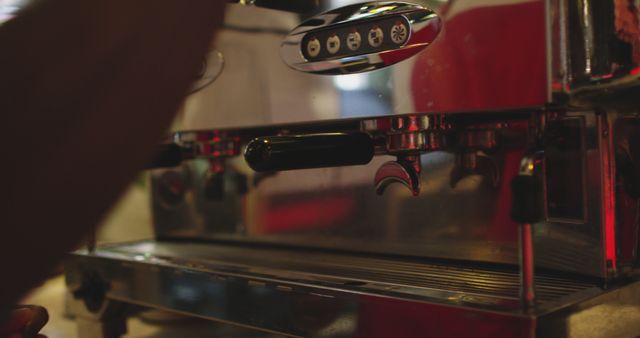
(380, 36)
(360, 38)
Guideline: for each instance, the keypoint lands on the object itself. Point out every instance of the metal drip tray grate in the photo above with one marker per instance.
(353, 270)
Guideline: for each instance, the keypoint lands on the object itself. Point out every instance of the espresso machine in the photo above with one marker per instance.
(430, 168)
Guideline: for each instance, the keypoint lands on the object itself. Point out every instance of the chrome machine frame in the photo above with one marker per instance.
(518, 149)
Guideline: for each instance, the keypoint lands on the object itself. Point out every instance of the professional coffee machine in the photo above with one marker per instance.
(437, 168)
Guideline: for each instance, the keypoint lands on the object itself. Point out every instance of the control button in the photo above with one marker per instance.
(399, 33)
(333, 44)
(313, 47)
(375, 36)
(354, 40)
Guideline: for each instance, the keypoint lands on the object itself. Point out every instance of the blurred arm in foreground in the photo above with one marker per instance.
(87, 88)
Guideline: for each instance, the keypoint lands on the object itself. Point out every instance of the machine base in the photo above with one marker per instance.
(299, 292)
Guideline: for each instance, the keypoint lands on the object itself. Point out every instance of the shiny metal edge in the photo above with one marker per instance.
(280, 308)
(272, 305)
(293, 278)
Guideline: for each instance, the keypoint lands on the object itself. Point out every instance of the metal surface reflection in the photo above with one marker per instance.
(334, 296)
(338, 207)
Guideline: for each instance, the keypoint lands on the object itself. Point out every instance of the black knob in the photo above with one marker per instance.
(92, 291)
(214, 187)
(527, 202)
(275, 153)
(166, 156)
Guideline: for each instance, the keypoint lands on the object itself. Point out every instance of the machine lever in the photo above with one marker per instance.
(527, 209)
(166, 155)
(276, 153)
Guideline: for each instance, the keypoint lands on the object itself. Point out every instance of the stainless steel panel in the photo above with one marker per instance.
(455, 217)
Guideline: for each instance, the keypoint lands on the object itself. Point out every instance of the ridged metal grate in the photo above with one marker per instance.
(481, 281)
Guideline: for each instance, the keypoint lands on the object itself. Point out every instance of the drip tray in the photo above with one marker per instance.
(285, 269)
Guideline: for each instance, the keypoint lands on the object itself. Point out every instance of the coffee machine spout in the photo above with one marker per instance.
(406, 171)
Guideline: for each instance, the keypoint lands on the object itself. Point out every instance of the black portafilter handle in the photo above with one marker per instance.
(165, 156)
(276, 153)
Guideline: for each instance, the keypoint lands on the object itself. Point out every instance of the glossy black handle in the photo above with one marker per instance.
(166, 155)
(275, 153)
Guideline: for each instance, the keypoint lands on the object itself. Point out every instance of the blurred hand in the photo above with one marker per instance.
(25, 322)
(88, 88)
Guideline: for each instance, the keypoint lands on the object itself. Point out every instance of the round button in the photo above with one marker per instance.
(375, 36)
(313, 47)
(333, 44)
(354, 40)
(399, 33)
